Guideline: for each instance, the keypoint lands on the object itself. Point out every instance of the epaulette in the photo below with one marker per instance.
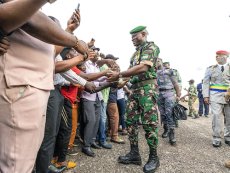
(212, 66)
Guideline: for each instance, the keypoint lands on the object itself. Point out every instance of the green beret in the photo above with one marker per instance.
(137, 29)
(166, 62)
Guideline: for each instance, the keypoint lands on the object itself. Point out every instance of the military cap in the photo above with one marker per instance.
(191, 81)
(137, 29)
(166, 63)
(222, 52)
(110, 56)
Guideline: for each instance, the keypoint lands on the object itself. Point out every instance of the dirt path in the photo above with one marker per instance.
(192, 154)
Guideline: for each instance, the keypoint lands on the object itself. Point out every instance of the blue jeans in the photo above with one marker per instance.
(121, 107)
(102, 123)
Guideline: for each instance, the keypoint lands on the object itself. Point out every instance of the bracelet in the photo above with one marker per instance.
(77, 42)
(85, 56)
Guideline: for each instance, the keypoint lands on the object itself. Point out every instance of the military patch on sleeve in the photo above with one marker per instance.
(149, 63)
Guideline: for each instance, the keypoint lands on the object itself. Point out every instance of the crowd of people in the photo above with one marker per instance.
(56, 88)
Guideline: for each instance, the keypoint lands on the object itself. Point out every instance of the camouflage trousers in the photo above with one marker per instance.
(191, 106)
(142, 104)
(166, 102)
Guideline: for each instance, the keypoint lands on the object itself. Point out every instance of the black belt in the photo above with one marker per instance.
(162, 89)
(143, 83)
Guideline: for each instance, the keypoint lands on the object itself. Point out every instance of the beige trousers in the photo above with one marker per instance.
(113, 115)
(22, 122)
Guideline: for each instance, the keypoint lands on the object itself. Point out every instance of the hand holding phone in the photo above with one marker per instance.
(78, 6)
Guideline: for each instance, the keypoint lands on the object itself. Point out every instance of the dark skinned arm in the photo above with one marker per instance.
(15, 13)
(141, 68)
(62, 66)
(43, 28)
(93, 76)
(103, 86)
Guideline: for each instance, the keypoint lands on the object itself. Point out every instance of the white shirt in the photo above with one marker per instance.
(92, 68)
(120, 94)
(70, 76)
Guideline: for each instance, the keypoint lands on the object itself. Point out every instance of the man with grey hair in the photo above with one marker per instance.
(215, 86)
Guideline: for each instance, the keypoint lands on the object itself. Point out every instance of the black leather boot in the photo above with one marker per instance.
(166, 131)
(133, 157)
(153, 162)
(172, 138)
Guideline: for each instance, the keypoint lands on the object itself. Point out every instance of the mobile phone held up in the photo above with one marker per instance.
(78, 6)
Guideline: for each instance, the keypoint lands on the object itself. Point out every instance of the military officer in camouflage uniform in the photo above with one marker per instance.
(167, 83)
(142, 103)
(192, 96)
(216, 93)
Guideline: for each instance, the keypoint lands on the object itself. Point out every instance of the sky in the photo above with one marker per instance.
(188, 32)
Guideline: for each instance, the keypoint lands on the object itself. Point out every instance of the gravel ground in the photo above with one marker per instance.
(192, 154)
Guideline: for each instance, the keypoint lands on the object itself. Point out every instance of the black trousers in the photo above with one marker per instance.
(53, 117)
(64, 133)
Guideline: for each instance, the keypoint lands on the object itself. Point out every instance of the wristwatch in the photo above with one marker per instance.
(85, 56)
(51, 1)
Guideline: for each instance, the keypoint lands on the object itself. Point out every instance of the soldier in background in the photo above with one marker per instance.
(179, 80)
(192, 96)
(216, 93)
(167, 83)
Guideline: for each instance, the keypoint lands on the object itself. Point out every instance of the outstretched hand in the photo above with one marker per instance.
(74, 21)
(112, 76)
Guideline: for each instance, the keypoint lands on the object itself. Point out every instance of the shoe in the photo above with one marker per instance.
(54, 169)
(105, 145)
(216, 144)
(72, 151)
(119, 129)
(227, 142)
(206, 116)
(118, 140)
(196, 116)
(153, 162)
(227, 164)
(200, 115)
(166, 131)
(177, 124)
(95, 146)
(88, 151)
(69, 165)
(172, 139)
(133, 157)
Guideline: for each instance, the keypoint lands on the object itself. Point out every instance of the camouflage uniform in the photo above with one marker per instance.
(191, 100)
(167, 99)
(142, 103)
(178, 77)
